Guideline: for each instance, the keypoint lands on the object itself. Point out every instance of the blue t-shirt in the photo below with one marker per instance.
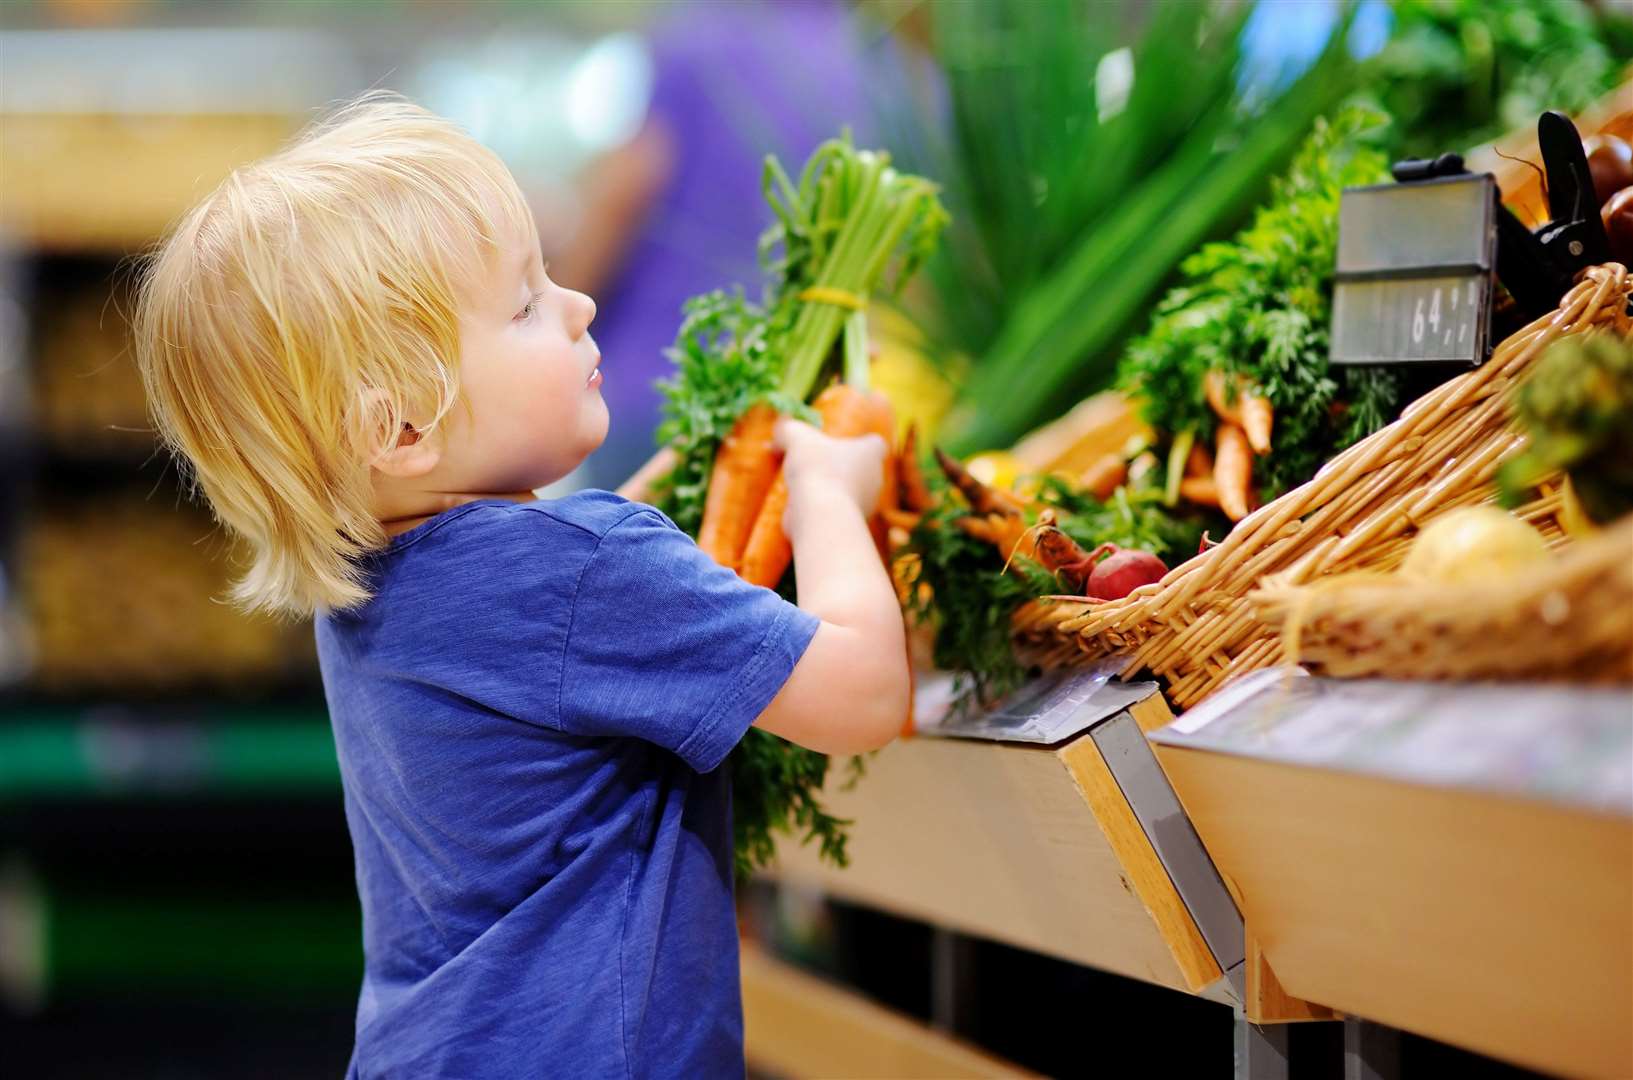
(529, 714)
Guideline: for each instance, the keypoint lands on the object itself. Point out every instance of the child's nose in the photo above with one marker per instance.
(580, 313)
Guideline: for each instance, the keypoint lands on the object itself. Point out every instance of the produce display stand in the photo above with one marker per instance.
(1453, 860)
(1076, 850)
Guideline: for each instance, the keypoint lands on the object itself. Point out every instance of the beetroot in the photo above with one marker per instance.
(1121, 571)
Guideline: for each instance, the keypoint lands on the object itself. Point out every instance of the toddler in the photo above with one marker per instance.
(355, 349)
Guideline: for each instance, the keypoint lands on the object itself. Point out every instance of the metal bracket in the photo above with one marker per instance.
(1145, 786)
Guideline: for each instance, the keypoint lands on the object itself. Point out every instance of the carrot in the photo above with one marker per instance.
(638, 488)
(1233, 471)
(1222, 396)
(745, 467)
(882, 422)
(1200, 463)
(1101, 478)
(768, 551)
(1256, 421)
(1064, 556)
(1234, 404)
(982, 499)
(980, 528)
(1012, 536)
(846, 412)
(915, 493)
(1199, 489)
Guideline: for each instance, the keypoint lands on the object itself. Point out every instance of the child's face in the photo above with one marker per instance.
(530, 379)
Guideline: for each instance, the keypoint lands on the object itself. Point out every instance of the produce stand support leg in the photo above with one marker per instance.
(952, 972)
(1371, 1051)
(1261, 1052)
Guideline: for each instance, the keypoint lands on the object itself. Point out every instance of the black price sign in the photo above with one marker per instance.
(1414, 278)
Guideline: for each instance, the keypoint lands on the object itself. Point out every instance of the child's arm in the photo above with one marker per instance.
(849, 691)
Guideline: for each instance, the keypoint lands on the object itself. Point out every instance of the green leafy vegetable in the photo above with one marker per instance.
(1457, 73)
(971, 596)
(1075, 190)
(1260, 306)
(1578, 409)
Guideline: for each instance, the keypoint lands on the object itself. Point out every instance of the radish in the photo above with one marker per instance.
(1121, 571)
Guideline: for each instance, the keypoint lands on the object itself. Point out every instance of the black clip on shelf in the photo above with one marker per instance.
(1539, 267)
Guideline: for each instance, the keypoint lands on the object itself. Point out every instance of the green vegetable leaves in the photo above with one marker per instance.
(1260, 306)
(971, 596)
(1578, 408)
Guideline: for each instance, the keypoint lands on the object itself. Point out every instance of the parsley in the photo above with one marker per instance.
(1261, 306)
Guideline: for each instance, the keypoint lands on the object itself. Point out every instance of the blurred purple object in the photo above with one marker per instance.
(734, 82)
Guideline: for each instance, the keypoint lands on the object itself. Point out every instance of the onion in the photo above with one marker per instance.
(1610, 162)
(1617, 214)
(1121, 572)
(1476, 543)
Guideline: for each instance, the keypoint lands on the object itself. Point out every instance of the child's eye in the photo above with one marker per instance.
(527, 308)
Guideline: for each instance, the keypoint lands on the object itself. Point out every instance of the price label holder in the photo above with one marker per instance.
(1415, 271)
(1418, 260)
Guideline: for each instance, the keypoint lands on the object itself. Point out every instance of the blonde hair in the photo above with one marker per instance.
(299, 316)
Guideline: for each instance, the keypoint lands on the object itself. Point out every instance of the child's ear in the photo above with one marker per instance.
(398, 449)
(413, 455)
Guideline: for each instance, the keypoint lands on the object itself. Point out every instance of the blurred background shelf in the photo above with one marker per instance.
(56, 752)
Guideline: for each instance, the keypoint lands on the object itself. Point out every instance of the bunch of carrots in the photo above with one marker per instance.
(849, 217)
(1224, 479)
(742, 519)
(849, 227)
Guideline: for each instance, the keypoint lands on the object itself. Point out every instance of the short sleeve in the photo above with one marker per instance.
(666, 645)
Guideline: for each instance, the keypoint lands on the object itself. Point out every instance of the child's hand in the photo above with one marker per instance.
(849, 691)
(817, 467)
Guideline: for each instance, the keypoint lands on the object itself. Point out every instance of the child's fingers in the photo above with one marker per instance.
(872, 444)
(788, 431)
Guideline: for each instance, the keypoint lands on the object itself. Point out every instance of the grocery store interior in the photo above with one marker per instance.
(1259, 505)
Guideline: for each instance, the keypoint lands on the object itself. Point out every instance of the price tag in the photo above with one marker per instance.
(1415, 265)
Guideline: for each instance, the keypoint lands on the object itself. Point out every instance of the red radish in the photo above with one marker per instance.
(1121, 571)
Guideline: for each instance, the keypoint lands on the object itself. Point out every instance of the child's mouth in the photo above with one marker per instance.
(595, 377)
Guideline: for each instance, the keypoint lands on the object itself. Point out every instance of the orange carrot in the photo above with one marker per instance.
(982, 499)
(1235, 404)
(915, 493)
(882, 422)
(846, 412)
(1101, 478)
(1220, 395)
(745, 467)
(1199, 489)
(1200, 463)
(768, 551)
(1256, 421)
(1233, 471)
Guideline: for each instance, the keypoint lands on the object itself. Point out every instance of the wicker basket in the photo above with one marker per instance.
(1197, 628)
(1572, 619)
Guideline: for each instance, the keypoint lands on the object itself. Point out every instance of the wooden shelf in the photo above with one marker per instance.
(1032, 846)
(796, 1025)
(1456, 873)
(115, 183)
